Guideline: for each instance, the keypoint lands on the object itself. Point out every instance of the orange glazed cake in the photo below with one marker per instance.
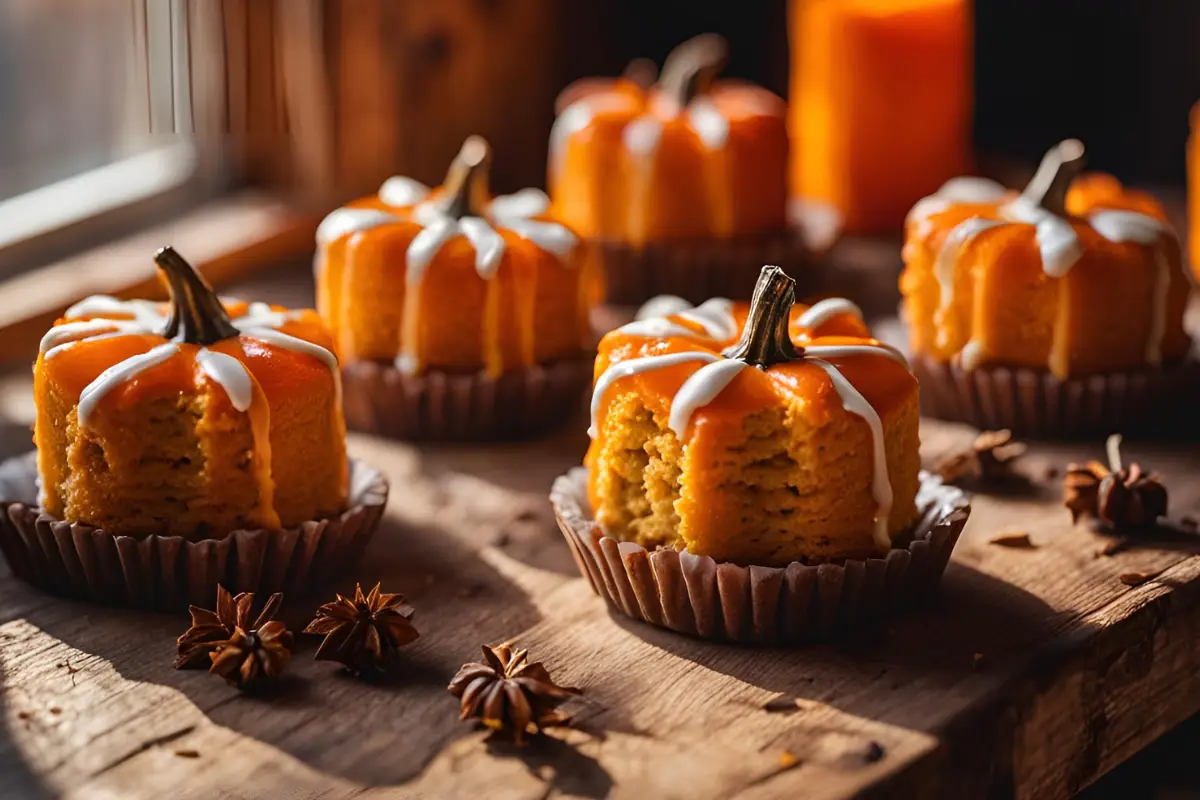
(457, 314)
(677, 183)
(1055, 310)
(758, 437)
(190, 419)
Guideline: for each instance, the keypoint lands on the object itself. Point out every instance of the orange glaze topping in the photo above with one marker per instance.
(882, 380)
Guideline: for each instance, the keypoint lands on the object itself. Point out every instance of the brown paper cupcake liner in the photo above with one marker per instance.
(167, 573)
(1149, 401)
(380, 399)
(764, 605)
(697, 269)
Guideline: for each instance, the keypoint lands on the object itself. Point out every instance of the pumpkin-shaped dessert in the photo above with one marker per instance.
(456, 314)
(742, 442)
(193, 419)
(676, 183)
(1058, 310)
(775, 447)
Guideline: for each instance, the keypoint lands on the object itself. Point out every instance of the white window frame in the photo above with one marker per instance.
(117, 198)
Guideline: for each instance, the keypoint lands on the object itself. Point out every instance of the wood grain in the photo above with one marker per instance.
(1074, 672)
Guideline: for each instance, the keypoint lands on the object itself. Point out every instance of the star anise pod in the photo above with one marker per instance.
(364, 633)
(509, 694)
(1119, 498)
(210, 627)
(990, 458)
(250, 659)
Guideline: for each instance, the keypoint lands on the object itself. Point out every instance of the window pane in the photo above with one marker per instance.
(74, 88)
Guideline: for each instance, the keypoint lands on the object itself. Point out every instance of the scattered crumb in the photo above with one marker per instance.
(1112, 546)
(502, 539)
(1051, 472)
(528, 515)
(978, 661)
(787, 760)
(784, 705)
(23, 715)
(188, 753)
(55, 710)
(1013, 537)
(874, 753)
(1191, 523)
(1138, 578)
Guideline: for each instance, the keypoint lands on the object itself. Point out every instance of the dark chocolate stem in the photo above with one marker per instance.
(691, 68)
(766, 339)
(466, 186)
(197, 316)
(1061, 165)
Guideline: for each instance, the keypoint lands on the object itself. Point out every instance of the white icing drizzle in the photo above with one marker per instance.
(700, 389)
(959, 238)
(1059, 244)
(549, 236)
(574, 118)
(117, 374)
(715, 315)
(635, 366)
(230, 374)
(662, 306)
(641, 136)
(881, 486)
(54, 351)
(844, 350)
(426, 244)
(71, 332)
(526, 203)
(823, 311)
(489, 245)
(1131, 226)
(295, 344)
(954, 191)
(142, 311)
(708, 122)
(345, 221)
(657, 327)
(400, 191)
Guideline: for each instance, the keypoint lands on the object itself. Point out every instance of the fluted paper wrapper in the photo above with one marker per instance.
(762, 605)
(1033, 403)
(698, 269)
(167, 573)
(441, 406)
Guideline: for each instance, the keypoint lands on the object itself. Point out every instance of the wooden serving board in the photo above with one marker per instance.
(1034, 671)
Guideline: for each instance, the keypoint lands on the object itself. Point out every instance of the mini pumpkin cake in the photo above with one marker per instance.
(457, 315)
(677, 185)
(184, 445)
(754, 472)
(1057, 311)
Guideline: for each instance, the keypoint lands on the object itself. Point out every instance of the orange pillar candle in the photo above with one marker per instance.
(1193, 192)
(880, 107)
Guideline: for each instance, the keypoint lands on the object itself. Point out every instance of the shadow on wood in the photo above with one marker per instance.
(360, 731)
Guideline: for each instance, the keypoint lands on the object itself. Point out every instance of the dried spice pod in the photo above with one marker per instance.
(210, 628)
(509, 694)
(989, 460)
(1124, 499)
(366, 632)
(251, 659)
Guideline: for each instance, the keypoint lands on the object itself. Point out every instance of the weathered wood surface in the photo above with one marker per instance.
(1035, 671)
(1076, 670)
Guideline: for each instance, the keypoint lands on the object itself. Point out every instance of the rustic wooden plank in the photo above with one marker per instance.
(1079, 669)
